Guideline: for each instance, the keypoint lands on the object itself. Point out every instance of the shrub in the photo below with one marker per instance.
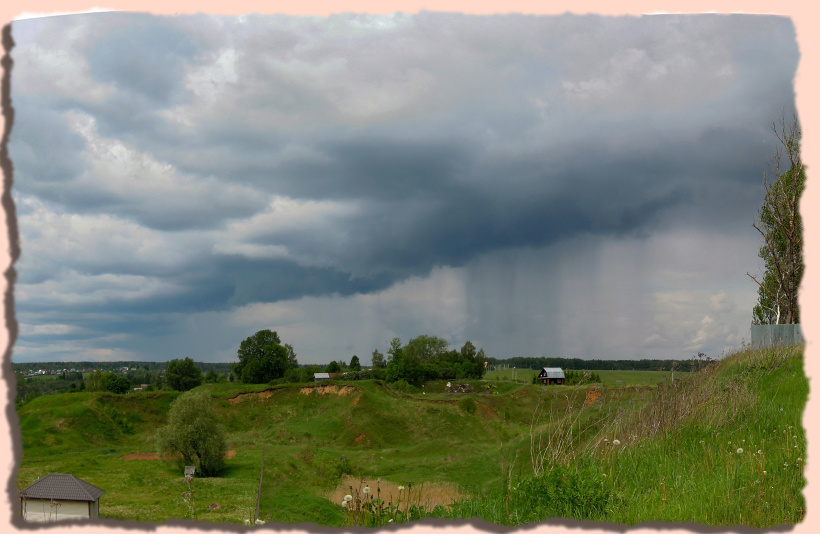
(193, 435)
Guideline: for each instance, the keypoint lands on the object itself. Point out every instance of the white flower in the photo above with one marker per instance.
(366, 490)
(448, 384)
(401, 488)
(799, 460)
(764, 472)
(389, 520)
(702, 442)
(759, 452)
(344, 504)
(348, 498)
(260, 522)
(616, 442)
(604, 475)
(740, 451)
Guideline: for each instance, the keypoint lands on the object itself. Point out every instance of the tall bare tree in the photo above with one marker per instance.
(780, 225)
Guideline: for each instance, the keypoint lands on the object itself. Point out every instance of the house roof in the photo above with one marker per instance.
(552, 372)
(321, 375)
(62, 487)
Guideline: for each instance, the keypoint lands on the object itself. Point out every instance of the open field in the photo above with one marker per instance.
(608, 377)
(457, 454)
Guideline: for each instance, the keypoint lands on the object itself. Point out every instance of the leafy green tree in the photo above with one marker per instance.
(193, 435)
(262, 358)
(291, 356)
(117, 383)
(781, 226)
(183, 375)
(210, 376)
(377, 360)
(95, 381)
(333, 367)
(355, 365)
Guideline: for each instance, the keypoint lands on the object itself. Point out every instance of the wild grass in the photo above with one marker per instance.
(514, 454)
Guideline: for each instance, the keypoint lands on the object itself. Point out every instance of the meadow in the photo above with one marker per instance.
(608, 377)
(723, 446)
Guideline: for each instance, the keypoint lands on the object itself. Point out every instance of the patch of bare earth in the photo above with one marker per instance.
(426, 494)
(153, 456)
(341, 391)
(264, 394)
(361, 439)
(592, 396)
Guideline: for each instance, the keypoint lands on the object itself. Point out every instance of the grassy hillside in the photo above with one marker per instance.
(475, 451)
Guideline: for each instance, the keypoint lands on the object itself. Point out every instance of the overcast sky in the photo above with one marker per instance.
(542, 186)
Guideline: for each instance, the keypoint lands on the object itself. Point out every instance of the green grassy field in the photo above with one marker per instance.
(611, 378)
(464, 455)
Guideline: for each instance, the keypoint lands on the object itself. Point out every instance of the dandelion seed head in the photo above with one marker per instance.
(764, 472)
(344, 504)
(739, 450)
(366, 490)
(799, 460)
(616, 442)
(348, 498)
(759, 452)
(401, 488)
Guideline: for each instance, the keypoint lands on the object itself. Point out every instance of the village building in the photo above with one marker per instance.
(57, 497)
(321, 377)
(551, 375)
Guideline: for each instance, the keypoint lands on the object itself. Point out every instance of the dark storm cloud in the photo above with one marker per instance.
(218, 162)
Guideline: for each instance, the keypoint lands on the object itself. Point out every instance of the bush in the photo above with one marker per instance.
(193, 435)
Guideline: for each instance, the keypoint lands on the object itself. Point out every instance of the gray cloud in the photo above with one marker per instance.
(197, 164)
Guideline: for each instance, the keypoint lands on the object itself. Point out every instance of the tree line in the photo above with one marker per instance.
(263, 358)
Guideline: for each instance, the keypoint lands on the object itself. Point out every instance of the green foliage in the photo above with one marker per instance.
(262, 358)
(210, 377)
(780, 224)
(117, 383)
(576, 491)
(355, 365)
(193, 435)
(377, 360)
(183, 375)
(402, 386)
(426, 358)
(572, 377)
